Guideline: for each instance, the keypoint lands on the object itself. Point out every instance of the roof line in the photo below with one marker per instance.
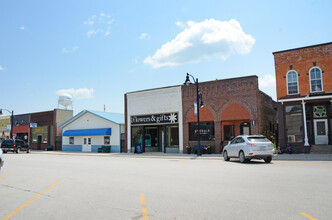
(299, 48)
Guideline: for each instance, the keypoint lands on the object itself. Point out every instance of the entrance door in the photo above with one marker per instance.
(320, 127)
(39, 141)
(86, 147)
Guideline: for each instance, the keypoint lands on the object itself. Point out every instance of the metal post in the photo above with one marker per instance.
(11, 126)
(198, 125)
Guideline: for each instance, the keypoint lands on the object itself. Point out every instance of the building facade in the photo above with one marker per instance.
(44, 129)
(231, 107)
(4, 127)
(21, 129)
(154, 120)
(304, 93)
(90, 130)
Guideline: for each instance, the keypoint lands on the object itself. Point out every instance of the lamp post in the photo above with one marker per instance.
(198, 106)
(11, 121)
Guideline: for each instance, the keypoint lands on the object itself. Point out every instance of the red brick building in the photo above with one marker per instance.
(231, 107)
(304, 93)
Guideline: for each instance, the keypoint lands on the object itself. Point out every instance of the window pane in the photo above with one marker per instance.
(292, 82)
(136, 136)
(294, 124)
(106, 139)
(206, 131)
(321, 128)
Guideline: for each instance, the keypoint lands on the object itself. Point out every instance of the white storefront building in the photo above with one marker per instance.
(89, 131)
(154, 120)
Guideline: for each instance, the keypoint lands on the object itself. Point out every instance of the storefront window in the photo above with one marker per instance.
(39, 135)
(151, 137)
(206, 131)
(294, 123)
(136, 136)
(172, 136)
(228, 132)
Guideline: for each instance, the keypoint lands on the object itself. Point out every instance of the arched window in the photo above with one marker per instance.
(292, 83)
(316, 84)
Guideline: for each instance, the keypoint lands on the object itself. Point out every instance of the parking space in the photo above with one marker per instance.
(37, 186)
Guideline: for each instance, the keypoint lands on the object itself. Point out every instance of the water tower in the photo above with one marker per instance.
(65, 100)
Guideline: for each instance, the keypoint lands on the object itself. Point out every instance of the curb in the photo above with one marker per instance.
(293, 157)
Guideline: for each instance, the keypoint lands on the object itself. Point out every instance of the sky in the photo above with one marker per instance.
(97, 51)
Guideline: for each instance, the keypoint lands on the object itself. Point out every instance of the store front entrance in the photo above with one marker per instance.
(321, 132)
(162, 138)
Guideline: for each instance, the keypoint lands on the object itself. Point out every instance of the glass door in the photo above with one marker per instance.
(320, 128)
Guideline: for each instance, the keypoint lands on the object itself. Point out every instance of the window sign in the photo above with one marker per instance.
(319, 111)
(154, 119)
(33, 125)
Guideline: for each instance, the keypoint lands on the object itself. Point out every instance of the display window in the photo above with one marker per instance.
(206, 131)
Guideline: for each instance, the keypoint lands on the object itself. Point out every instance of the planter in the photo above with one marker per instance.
(189, 150)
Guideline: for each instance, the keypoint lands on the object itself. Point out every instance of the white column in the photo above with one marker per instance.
(306, 143)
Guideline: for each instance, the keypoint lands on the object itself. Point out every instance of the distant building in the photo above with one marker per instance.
(46, 132)
(304, 93)
(90, 130)
(4, 128)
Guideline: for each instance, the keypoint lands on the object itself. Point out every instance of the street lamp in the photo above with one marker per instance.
(11, 122)
(198, 106)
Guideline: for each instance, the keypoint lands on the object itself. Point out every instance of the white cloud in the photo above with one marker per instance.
(22, 28)
(90, 21)
(1, 68)
(69, 50)
(203, 40)
(100, 24)
(267, 81)
(144, 36)
(82, 93)
(180, 24)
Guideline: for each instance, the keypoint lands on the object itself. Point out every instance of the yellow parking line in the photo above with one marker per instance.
(144, 210)
(4, 176)
(308, 216)
(30, 201)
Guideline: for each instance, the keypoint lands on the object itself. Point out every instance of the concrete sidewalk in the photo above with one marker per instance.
(298, 157)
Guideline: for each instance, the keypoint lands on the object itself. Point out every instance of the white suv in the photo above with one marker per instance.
(247, 147)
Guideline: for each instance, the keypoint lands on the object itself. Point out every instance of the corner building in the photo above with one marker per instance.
(304, 93)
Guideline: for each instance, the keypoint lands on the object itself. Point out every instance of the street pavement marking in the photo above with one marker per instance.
(4, 176)
(308, 216)
(30, 201)
(144, 210)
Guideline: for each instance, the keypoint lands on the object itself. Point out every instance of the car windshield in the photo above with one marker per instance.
(258, 139)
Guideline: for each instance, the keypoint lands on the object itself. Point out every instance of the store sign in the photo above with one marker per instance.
(9, 126)
(155, 119)
(33, 125)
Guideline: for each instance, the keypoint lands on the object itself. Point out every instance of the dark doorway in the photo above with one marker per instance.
(39, 141)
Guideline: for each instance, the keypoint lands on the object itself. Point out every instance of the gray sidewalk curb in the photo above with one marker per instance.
(291, 157)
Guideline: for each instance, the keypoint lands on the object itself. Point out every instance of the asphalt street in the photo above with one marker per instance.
(50, 186)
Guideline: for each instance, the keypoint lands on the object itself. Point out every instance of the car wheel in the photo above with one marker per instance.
(4, 152)
(28, 151)
(268, 160)
(18, 150)
(242, 157)
(226, 158)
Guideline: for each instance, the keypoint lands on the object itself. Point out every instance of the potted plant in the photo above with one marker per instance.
(208, 149)
(188, 149)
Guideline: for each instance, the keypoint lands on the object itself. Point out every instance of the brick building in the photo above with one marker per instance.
(231, 107)
(304, 93)
(47, 131)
